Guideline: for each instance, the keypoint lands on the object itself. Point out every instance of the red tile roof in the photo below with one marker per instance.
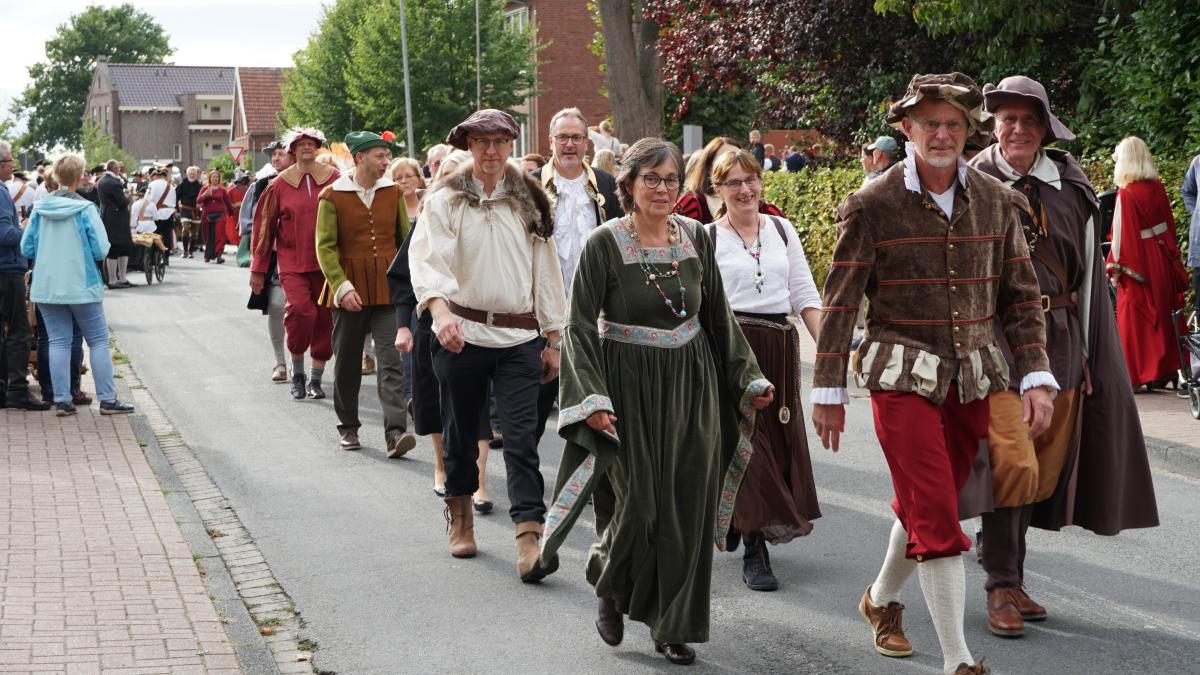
(261, 97)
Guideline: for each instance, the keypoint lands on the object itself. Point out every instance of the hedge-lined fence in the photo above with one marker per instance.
(808, 198)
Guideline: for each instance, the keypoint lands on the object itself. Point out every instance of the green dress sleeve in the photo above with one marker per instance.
(327, 245)
(582, 391)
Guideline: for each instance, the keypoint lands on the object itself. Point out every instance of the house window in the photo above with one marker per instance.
(517, 19)
(177, 152)
(216, 110)
(107, 115)
(217, 148)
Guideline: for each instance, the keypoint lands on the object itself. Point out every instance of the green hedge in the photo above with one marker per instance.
(809, 199)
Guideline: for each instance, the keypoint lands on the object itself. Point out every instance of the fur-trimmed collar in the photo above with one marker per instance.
(321, 174)
(521, 191)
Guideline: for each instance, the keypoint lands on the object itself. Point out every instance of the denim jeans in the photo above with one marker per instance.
(43, 357)
(59, 329)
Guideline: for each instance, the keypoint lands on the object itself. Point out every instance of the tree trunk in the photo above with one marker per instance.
(633, 69)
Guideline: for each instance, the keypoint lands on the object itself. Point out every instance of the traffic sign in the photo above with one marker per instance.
(235, 153)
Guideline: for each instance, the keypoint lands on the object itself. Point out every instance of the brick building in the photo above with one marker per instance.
(161, 113)
(257, 102)
(568, 75)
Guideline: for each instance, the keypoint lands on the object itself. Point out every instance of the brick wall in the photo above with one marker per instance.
(570, 74)
(152, 135)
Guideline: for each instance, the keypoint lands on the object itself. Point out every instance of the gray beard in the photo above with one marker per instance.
(941, 163)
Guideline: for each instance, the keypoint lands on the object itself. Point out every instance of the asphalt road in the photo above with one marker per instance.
(358, 541)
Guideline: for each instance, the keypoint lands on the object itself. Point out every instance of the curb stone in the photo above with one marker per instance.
(259, 616)
(1174, 457)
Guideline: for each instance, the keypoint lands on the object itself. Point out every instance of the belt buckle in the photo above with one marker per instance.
(1045, 303)
(488, 319)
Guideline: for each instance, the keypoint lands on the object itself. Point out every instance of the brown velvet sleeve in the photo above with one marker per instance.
(266, 226)
(849, 273)
(1018, 302)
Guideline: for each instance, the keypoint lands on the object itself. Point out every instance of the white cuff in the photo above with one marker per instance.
(1040, 378)
(342, 290)
(830, 396)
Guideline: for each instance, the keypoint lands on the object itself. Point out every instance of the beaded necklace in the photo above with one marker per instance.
(653, 274)
(756, 253)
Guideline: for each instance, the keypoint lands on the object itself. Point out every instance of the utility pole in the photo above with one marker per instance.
(478, 72)
(408, 121)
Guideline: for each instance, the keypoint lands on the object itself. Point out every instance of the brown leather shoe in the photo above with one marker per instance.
(350, 441)
(529, 553)
(460, 526)
(399, 445)
(887, 626)
(1030, 610)
(973, 669)
(1004, 619)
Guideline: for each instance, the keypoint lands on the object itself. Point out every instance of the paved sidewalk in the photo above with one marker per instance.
(95, 573)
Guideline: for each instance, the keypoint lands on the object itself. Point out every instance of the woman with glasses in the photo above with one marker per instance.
(766, 279)
(657, 404)
(700, 201)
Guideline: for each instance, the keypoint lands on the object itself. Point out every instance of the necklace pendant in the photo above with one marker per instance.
(652, 277)
(785, 415)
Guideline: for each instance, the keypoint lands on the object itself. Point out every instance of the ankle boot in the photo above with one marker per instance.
(610, 624)
(756, 567)
(529, 552)
(298, 391)
(460, 525)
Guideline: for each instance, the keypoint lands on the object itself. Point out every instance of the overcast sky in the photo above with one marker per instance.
(203, 32)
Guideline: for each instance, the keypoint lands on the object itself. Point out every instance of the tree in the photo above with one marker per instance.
(441, 43)
(54, 101)
(315, 92)
(821, 64)
(99, 147)
(632, 67)
(351, 74)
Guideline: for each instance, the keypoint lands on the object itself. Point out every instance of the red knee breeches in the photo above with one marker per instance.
(307, 325)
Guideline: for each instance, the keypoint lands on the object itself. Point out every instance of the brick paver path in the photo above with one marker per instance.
(95, 574)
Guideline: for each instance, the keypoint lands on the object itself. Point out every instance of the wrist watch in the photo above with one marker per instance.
(556, 346)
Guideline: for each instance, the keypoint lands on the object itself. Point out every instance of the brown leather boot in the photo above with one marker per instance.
(460, 525)
(887, 626)
(1030, 610)
(529, 551)
(1004, 619)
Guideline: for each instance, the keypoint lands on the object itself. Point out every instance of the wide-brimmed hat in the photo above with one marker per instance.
(1021, 88)
(296, 133)
(358, 141)
(273, 146)
(488, 121)
(956, 89)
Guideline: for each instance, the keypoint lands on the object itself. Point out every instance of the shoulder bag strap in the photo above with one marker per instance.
(779, 229)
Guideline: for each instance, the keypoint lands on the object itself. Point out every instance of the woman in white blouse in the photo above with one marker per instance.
(767, 279)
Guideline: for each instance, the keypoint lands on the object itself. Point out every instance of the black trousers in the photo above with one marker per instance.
(514, 373)
(15, 336)
(166, 230)
(547, 395)
(1004, 546)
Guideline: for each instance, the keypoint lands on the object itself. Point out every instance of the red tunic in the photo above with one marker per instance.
(1150, 278)
(232, 235)
(285, 219)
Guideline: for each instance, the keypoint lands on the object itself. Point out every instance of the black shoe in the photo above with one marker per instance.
(496, 443)
(27, 402)
(298, 386)
(756, 567)
(114, 407)
(482, 506)
(676, 652)
(610, 624)
(64, 409)
(315, 390)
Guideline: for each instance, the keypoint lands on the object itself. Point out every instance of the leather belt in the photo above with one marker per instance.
(1069, 300)
(525, 321)
(1151, 232)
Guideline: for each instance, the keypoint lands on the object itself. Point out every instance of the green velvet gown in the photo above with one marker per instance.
(664, 486)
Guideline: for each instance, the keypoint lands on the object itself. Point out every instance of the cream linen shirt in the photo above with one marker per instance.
(485, 258)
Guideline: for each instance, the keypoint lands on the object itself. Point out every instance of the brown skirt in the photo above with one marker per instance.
(778, 499)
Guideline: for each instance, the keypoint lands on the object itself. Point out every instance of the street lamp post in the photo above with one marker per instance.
(408, 121)
(478, 74)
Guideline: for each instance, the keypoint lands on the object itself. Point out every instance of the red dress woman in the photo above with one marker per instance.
(1146, 266)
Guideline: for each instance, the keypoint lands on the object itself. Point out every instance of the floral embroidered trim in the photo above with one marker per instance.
(654, 254)
(741, 460)
(583, 410)
(650, 337)
(570, 493)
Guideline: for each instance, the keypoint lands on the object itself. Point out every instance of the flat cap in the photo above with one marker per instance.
(488, 121)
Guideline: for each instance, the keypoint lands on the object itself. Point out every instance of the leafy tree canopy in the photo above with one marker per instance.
(99, 147)
(54, 101)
